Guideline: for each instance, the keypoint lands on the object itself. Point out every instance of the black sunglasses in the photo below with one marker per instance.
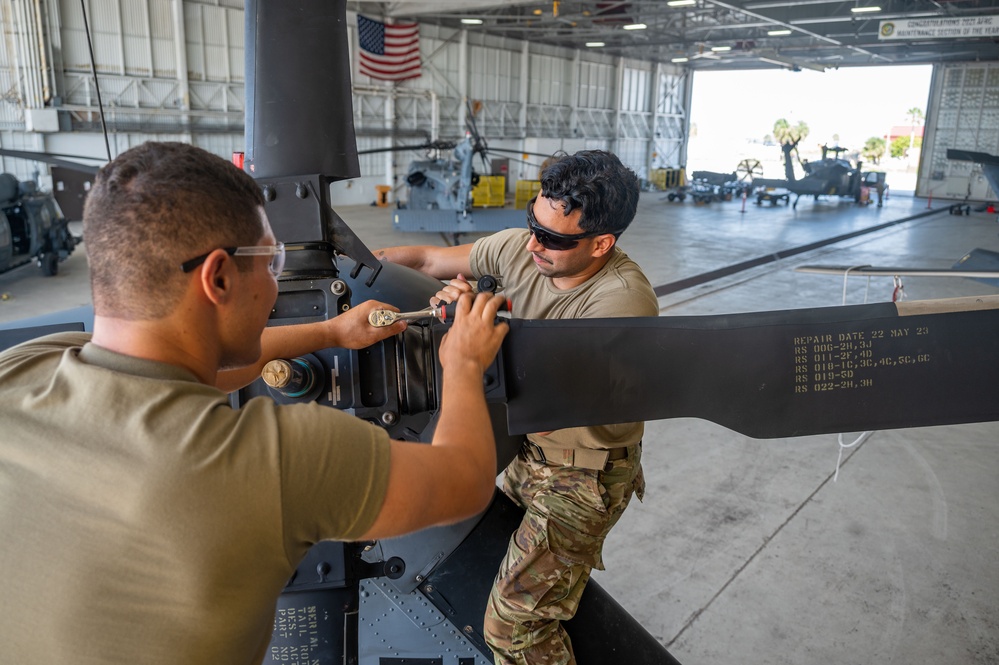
(550, 239)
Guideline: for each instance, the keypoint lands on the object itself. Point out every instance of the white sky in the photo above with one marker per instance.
(730, 109)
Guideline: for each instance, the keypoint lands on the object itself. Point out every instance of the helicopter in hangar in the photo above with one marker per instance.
(439, 187)
(989, 165)
(32, 225)
(428, 590)
(828, 176)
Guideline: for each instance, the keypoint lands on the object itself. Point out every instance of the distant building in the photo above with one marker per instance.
(906, 131)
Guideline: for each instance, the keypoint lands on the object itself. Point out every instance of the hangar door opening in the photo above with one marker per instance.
(876, 113)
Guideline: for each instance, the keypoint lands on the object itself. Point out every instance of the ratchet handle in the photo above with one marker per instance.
(380, 318)
(445, 311)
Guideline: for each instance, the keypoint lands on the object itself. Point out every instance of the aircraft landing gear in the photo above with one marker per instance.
(773, 198)
(49, 263)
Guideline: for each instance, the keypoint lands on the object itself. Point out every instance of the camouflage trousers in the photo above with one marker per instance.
(570, 511)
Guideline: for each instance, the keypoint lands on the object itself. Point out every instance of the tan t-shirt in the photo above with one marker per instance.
(145, 520)
(620, 289)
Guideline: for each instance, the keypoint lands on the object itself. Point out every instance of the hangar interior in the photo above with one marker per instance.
(879, 548)
(175, 68)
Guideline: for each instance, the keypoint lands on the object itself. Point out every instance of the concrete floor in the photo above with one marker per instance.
(748, 551)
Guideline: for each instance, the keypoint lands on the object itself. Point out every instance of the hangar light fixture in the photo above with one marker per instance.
(635, 26)
(681, 3)
(721, 48)
(778, 33)
(472, 21)
(865, 10)
(594, 44)
(679, 59)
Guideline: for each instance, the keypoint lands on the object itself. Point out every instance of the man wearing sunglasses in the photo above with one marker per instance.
(574, 483)
(144, 519)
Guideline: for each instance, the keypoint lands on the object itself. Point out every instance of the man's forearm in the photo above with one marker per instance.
(411, 256)
(465, 427)
(438, 262)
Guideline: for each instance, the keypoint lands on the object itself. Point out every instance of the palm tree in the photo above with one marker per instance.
(874, 149)
(782, 132)
(800, 130)
(785, 134)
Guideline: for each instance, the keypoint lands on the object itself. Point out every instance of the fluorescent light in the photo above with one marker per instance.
(721, 48)
(862, 10)
(594, 44)
(681, 3)
(635, 26)
(472, 21)
(778, 33)
(679, 59)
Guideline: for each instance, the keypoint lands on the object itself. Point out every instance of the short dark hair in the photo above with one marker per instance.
(596, 182)
(154, 207)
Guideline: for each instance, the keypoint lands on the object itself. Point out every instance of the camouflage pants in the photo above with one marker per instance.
(570, 511)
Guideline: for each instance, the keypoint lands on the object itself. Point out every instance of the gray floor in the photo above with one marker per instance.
(748, 551)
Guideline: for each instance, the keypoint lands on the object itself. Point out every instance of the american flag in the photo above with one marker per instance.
(389, 52)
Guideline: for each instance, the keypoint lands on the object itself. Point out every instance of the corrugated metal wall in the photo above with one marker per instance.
(169, 67)
(159, 71)
(532, 97)
(964, 114)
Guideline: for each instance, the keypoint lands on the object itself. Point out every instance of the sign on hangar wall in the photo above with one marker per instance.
(936, 28)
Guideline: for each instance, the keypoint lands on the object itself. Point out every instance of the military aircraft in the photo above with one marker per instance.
(421, 598)
(32, 226)
(989, 164)
(829, 176)
(439, 187)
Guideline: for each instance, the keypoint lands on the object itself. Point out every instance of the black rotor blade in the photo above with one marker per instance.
(397, 148)
(766, 375)
(972, 156)
(519, 152)
(514, 159)
(479, 144)
(54, 159)
(431, 145)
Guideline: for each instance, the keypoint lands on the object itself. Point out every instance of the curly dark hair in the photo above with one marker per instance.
(596, 182)
(154, 207)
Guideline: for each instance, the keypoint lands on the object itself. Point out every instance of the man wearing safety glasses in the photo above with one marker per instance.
(144, 519)
(574, 483)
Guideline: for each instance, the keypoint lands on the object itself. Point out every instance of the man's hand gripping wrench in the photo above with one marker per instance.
(442, 312)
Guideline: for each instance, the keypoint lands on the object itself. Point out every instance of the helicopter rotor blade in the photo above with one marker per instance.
(519, 152)
(433, 145)
(394, 148)
(763, 374)
(54, 159)
(470, 121)
(479, 144)
(482, 147)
